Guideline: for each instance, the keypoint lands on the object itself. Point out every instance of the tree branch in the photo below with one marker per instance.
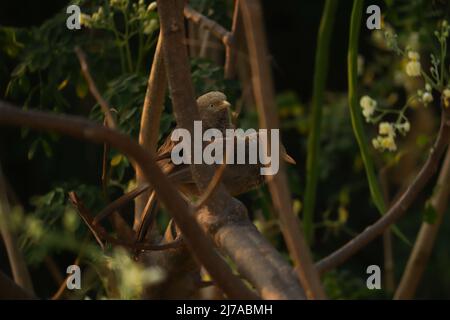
(222, 214)
(18, 266)
(216, 29)
(150, 119)
(231, 50)
(93, 88)
(120, 202)
(278, 185)
(398, 209)
(426, 237)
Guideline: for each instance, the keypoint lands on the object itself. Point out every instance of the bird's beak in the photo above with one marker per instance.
(288, 158)
(225, 104)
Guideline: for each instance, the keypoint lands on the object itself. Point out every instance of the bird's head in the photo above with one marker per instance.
(214, 109)
(213, 101)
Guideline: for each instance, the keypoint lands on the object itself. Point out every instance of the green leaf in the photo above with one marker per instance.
(32, 149)
(429, 214)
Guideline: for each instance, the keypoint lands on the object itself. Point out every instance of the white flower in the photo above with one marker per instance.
(404, 127)
(385, 140)
(150, 26)
(413, 68)
(428, 87)
(413, 55)
(85, 20)
(368, 106)
(427, 98)
(446, 93)
(386, 128)
(383, 143)
(388, 143)
(151, 6)
(376, 143)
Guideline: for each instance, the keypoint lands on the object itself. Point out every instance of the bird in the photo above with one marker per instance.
(215, 112)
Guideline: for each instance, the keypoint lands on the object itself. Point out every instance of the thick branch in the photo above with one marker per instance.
(221, 210)
(198, 243)
(400, 206)
(150, 119)
(278, 185)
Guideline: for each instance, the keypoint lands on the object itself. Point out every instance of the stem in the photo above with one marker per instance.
(320, 75)
(357, 123)
(140, 52)
(126, 42)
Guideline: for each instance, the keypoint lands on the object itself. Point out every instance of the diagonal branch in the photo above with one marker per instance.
(231, 50)
(423, 246)
(278, 185)
(215, 28)
(119, 202)
(93, 88)
(400, 206)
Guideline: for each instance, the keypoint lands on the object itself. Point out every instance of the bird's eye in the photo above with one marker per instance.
(211, 105)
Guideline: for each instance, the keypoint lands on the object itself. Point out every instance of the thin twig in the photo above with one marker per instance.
(63, 285)
(93, 88)
(399, 207)
(119, 202)
(278, 185)
(215, 181)
(19, 268)
(101, 235)
(426, 237)
(87, 218)
(147, 221)
(231, 50)
(105, 166)
(216, 29)
(53, 269)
